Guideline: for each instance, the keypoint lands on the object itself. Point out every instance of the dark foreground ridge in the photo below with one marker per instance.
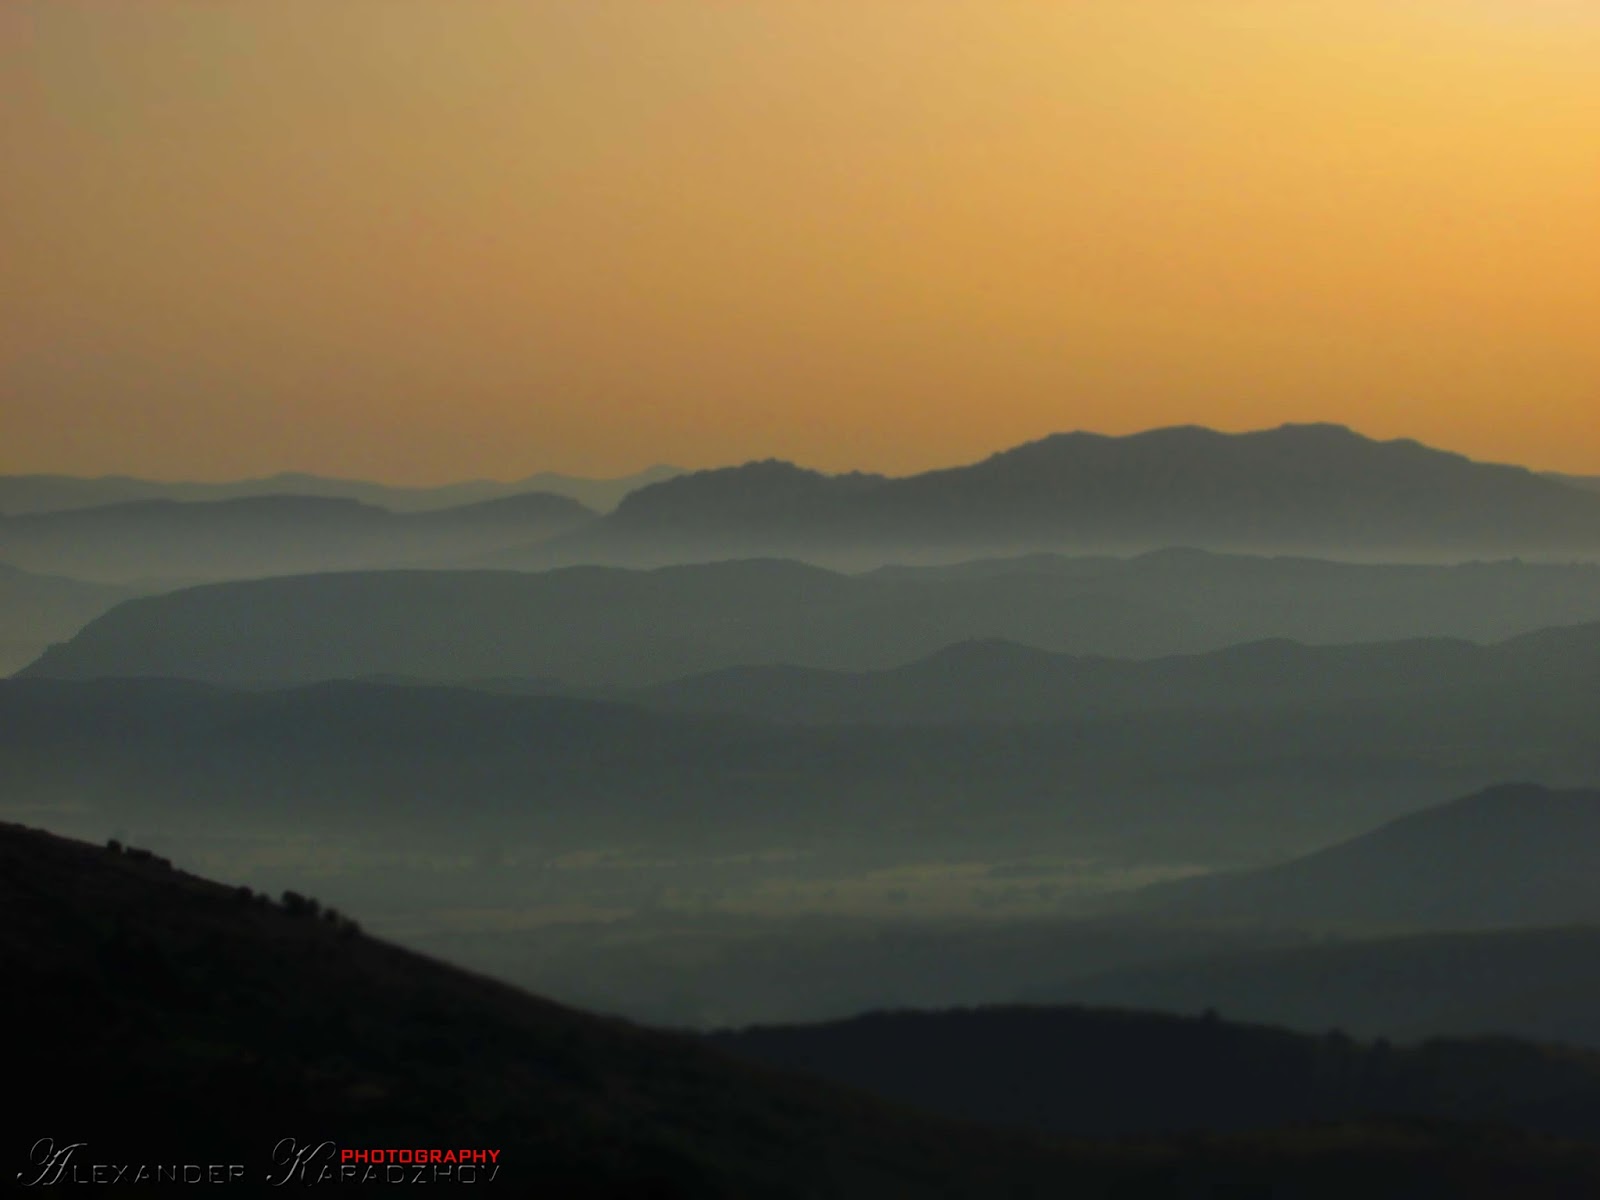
(160, 1018)
(1090, 1072)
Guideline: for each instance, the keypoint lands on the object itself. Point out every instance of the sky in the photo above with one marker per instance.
(418, 240)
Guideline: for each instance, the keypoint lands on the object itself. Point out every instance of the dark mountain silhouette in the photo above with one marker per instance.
(21, 494)
(606, 627)
(758, 497)
(36, 610)
(1536, 983)
(135, 989)
(1074, 1071)
(266, 535)
(504, 514)
(1002, 681)
(1510, 855)
(600, 494)
(1298, 488)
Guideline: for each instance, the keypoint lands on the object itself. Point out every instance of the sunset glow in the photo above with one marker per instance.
(420, 240)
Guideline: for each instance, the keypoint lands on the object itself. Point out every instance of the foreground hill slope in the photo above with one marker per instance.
(1104, 1072)
(1509, 855)
(135, 990)
(240, 1021)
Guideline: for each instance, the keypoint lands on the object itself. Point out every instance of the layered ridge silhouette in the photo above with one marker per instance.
(37, 610)
(1299, 489)
(611, 628)
(21, 494)
(1006, 682)
(266, 535)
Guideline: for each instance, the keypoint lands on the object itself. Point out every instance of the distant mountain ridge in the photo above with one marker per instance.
(1003, 681)
(21, 494)
(619, 628)
(248, 536)
(1299, 488)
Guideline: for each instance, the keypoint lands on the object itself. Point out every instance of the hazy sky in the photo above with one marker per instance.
(421, 239)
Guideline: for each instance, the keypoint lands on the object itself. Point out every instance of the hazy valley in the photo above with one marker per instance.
(850, 755)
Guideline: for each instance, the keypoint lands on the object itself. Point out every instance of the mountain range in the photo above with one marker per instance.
(20, 494)
(1299, 489)
(1302, 489)
(1007, 682)
(145, 540)
(611, 628)
(1095, 725)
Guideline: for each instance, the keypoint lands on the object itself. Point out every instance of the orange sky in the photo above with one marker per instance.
(424, 239)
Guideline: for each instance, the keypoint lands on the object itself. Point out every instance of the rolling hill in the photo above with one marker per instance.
(38, 610)
(596, 627)
(1509, 855)
(1006, 682)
